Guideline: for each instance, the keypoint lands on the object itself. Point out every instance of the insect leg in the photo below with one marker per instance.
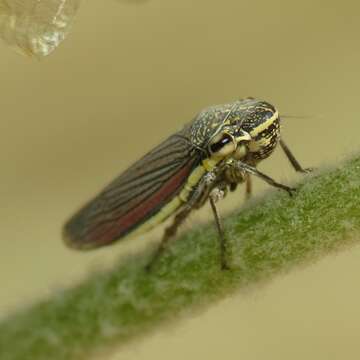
(296, 165)
(253, 171)
(213, 197)
(197, 195)
(248, 188)
(169, 233)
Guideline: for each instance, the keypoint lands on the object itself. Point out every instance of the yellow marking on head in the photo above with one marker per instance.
(245, 136)
(264, 125)
(255, 146)
(240, 152)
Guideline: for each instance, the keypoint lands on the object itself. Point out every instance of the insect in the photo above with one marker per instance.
(219, 149)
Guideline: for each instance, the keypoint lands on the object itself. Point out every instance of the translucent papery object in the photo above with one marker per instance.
(36, 27)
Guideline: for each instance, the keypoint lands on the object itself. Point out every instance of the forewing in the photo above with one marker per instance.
(133, 197)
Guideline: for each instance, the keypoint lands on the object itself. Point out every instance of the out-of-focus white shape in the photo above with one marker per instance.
(36, 27)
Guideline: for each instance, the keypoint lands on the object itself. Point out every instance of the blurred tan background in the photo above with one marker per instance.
(129, 75)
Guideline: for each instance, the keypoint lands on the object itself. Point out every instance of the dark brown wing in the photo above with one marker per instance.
(134, 197)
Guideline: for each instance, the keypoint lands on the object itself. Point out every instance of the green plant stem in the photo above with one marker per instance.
(266, 238)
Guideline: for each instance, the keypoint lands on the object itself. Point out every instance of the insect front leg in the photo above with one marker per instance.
(241, 166)
(195, 200)
(233, 184)
(296, 165)
(234, 177)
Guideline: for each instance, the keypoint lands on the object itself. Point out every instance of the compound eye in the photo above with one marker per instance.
(219, 145)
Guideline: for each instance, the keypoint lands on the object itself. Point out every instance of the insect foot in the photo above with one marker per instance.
(291, 191)
(308, 170)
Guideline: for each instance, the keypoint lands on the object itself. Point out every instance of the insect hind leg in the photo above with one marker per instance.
(199, 193)
(169, 233)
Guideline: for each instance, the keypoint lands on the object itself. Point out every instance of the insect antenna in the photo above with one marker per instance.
(300, 116)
